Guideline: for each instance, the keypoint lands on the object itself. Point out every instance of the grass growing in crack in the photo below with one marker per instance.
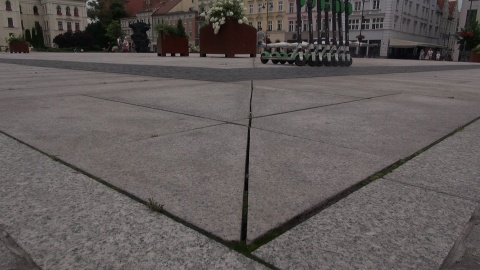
(154, 206)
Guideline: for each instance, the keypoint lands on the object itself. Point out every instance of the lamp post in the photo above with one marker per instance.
(359, 38)
(268, 5)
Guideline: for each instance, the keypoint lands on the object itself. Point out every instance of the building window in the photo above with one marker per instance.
(10, 22)
(376, 4)
(250, 23)
(67, 11)
(280, 6)
(77, 26)
(291, 26)
(35, 10)
(357, 6)
(291, 8)
(259, 25)
(270, 7)
(377, 23)
(250, 9)
(269, 25)
(59, 10)
(260, 6)
(75, 12)
(60, 26)
(366, 24)
(279, 25)
(8, 6)
(354, 24)
(69, 26)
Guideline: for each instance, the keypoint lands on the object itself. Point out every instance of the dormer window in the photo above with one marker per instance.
(59, 10)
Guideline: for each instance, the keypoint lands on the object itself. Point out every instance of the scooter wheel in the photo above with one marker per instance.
(319, 62)
(341, 62)
(264, 61)
(312, 63)
(299, 62)
(326, 63)
(283, 62)
(275, 61)
(349, 63)
(334, 62)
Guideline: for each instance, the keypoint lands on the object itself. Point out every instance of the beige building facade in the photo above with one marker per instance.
(54, 16)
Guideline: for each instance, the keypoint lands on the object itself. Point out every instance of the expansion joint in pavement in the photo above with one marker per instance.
(300, 218)
(153, 108)
(244, 227)
(24, 260)
(327, 105)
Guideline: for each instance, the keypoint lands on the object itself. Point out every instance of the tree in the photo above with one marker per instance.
(28, 36)
(102, 13)
(181, 29)
(469, 37)
(40, 39)
(114, 30)
(78, 39)
(98, 33)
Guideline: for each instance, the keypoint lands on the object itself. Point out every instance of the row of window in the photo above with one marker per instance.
(8, 7)
(377, 23)
(291, 8)
(69, 26)
(60, 25)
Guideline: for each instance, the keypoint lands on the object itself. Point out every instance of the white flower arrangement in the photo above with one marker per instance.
(223, 9)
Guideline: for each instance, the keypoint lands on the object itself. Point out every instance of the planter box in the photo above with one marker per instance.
(172, 45)
(233, 38)
(475, 57)
(18, 47)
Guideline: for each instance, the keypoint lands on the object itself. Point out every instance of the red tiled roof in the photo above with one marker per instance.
(165, 6)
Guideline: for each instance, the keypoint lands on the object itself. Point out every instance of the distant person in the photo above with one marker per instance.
(437, 57)
(430, 54)
(260, 38)
(422, 55)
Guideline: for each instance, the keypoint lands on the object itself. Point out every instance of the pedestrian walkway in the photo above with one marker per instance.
(377, 169)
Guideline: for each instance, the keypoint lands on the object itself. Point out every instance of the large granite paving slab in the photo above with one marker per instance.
(289, 176)
(385, 225)
(72, 124)
(272, 100)
(197, 175)
(219, 101)
(451, 167)
(341, 86)
(125, 83)
(392, 126)
(66, 220)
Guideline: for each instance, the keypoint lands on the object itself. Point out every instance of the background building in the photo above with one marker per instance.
(54, 16)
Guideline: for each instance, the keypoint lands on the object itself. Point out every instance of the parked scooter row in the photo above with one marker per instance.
(321, 52)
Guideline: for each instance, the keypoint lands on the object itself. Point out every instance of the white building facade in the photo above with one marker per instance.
(54, 16)
(403, 24)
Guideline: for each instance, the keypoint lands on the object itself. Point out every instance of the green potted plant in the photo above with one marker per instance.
(226, 30)
(18, 44)
(172, 39)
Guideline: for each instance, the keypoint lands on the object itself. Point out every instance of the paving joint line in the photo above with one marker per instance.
(174, 133)
(327, 105)
(17, 250)
(431, 189)
(154, 108)
(244, 227)
(302, 217)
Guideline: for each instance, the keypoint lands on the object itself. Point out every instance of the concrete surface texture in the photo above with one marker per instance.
(84, 134)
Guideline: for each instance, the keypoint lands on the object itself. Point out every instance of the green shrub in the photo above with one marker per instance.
(170, 30)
